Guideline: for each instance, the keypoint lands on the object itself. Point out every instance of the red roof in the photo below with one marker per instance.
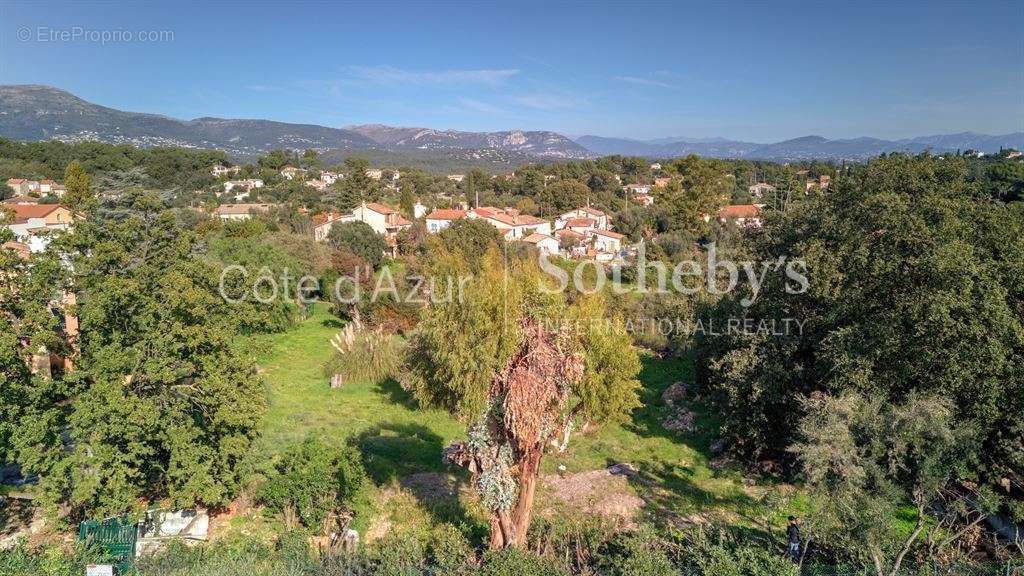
(21, 200)
(446, 214)
(580, 223)
(381, 208)
(567, 232)
(610, 234)
(325, 217)
(20, 249)
(22, 212)
(487, 211)
(740, 211)
(537, 237)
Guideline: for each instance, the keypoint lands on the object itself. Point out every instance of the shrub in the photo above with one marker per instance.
(367, 356)
(293, 547)
(515, 562)
(399, 555)
(744, 561)
(312, 480)
(449, 551)
(635, 553)
(360, 239)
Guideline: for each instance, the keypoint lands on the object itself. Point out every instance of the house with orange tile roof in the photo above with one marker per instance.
(607, 242)
(23, 185)
(32, 224)
(600, 218)
(545, 244)
(382, 218)
(322, 224)
(511, 223)
(743, 215)
(442, 218)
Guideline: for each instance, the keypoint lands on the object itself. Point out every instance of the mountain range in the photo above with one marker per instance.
(803, 148)
(33, 113)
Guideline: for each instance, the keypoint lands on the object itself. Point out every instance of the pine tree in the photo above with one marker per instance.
(78, 195)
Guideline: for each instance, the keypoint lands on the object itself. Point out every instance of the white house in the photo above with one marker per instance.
(317, 184)
(322, 224)
(440, 219)
(655, 167)
(418, 210)
(51, 187)
(248, 184)
(744, 215)
(375, 173)
(580, 225)
(330, 177)
(23, 186)
(219, 170)
(636, 189)
(760, 189)
(456, 177)
(600, 218)
(383, 219)
(516, 226)
(545, 244)
(607, 242)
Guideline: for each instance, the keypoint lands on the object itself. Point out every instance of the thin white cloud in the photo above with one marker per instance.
(547, 101)
(643, 81)
(392, 75)
(265, 88)
(478, 106)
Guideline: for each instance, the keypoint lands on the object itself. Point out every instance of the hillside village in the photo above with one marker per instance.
(354, 380)
(582, 233)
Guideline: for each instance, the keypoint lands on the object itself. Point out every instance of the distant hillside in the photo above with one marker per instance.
(541, 144)
(45, 113)
(803, 148)
(668, 148)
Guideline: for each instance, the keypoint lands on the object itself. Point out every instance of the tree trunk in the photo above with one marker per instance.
(508, 528)
(497, 537)
(529, 468)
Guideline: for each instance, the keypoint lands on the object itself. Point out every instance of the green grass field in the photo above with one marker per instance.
(398, 438)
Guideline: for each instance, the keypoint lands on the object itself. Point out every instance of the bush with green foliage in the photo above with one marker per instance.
(515, 562)
(449, 552)
(360, 239)
(915, 282)
(635, 554)
(467, 239)
(160, 404)
(399, 555)
(312, 480)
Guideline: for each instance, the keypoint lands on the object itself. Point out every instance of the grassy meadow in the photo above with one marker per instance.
(402, 444)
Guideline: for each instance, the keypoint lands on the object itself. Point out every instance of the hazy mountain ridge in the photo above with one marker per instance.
(802, 148)
(536, 143)
(32, 112)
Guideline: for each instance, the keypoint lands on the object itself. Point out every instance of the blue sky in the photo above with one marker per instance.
(752, 70)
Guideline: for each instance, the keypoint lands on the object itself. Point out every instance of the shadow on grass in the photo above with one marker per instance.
(332, 323)
(410, 455)
(656, 375)
(669, 490)
(394, 393)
